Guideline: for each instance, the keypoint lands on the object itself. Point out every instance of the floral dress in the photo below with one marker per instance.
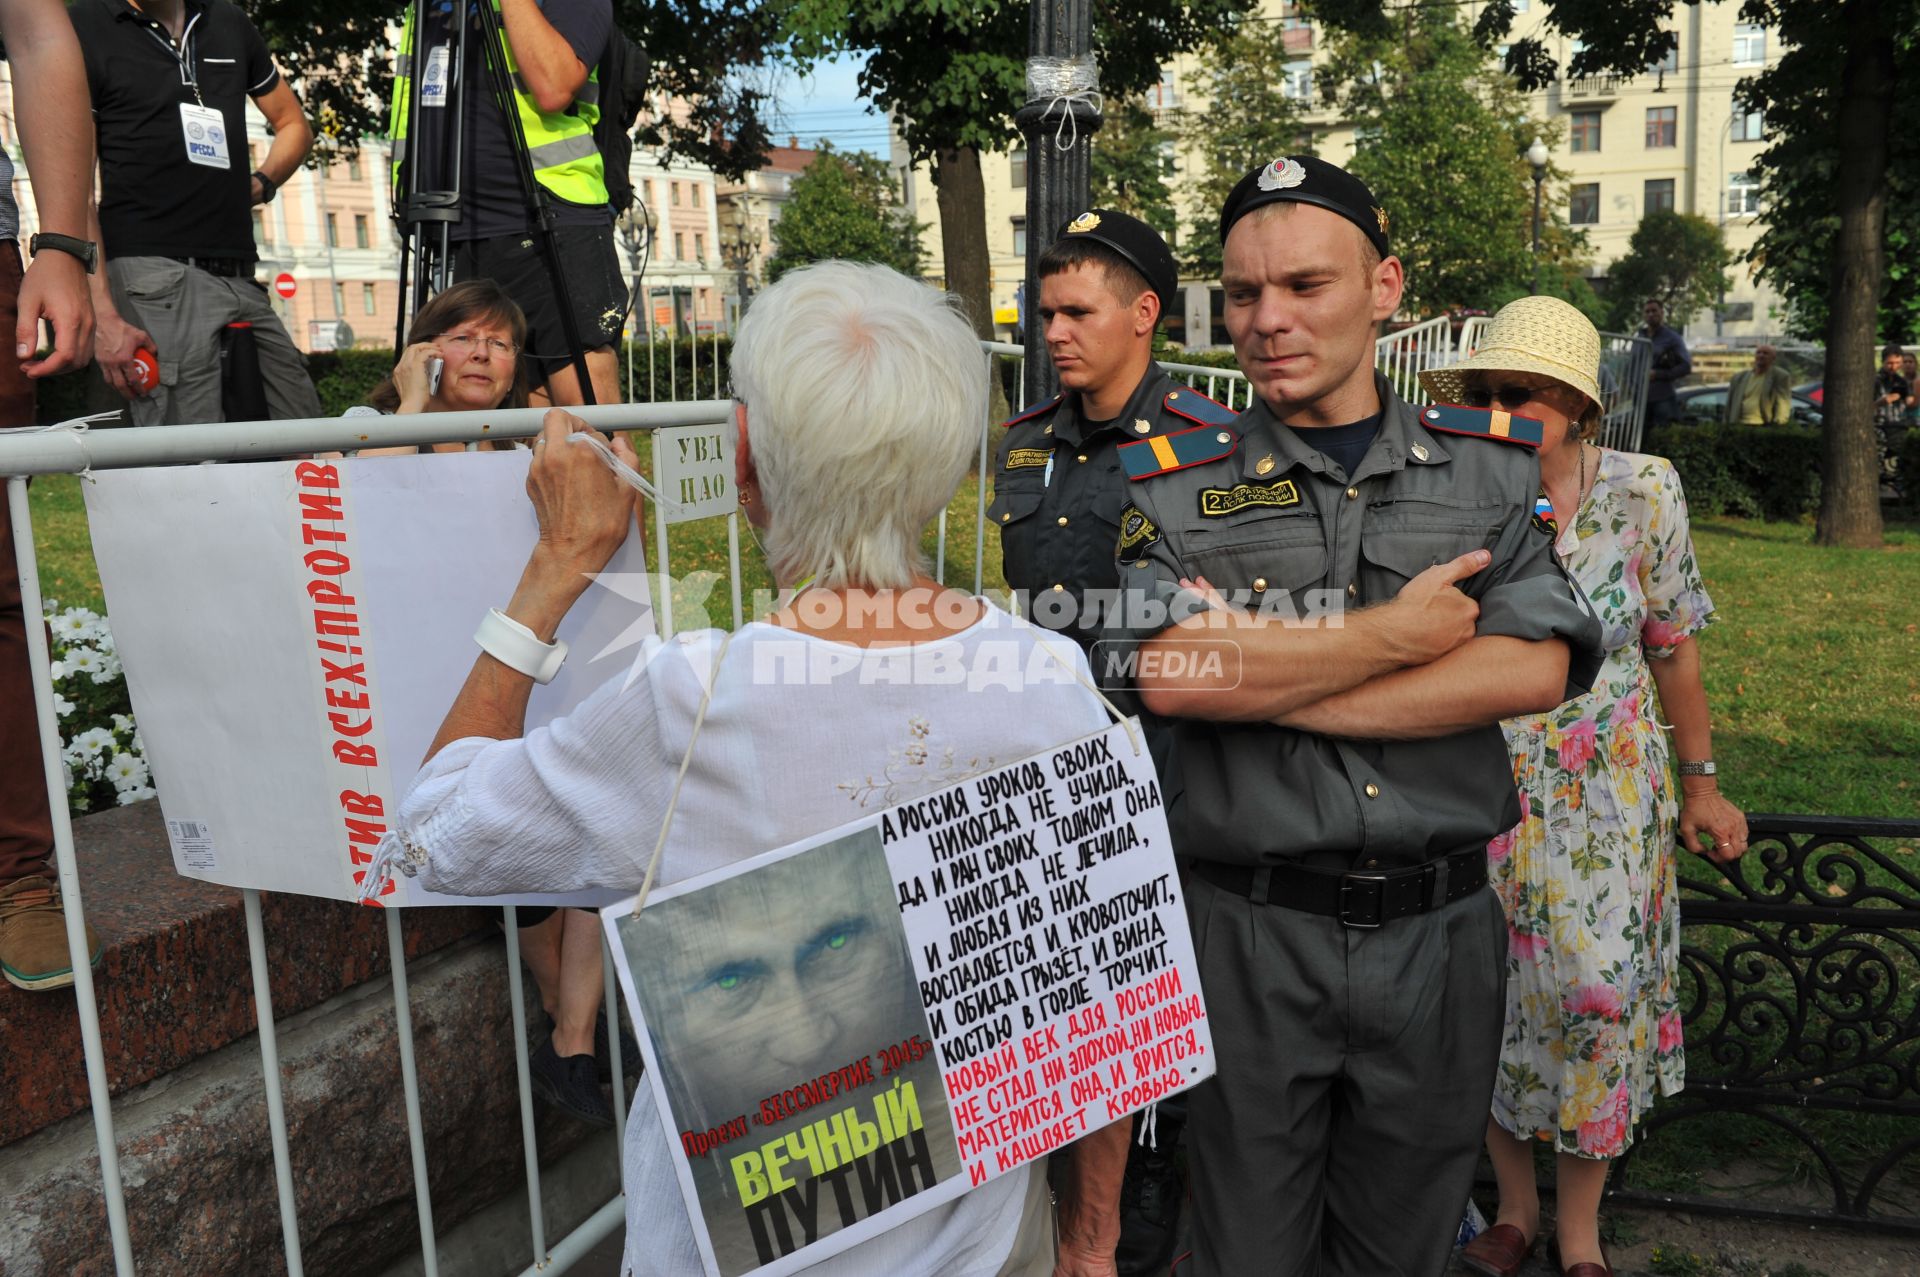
(1587, 876)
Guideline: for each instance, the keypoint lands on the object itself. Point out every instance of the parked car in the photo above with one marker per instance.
(1709, 403)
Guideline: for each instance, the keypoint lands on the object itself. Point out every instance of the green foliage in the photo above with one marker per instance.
(1445, 134)
(1564, 281)
(343, 378)
(1679, 258)
(1248, 121)
(1129, 173)
(845, 206)
(1752, 472)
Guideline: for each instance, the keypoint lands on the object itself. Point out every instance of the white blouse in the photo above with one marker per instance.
(802, 735)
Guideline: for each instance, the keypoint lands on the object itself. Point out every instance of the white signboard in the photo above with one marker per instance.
(693, 466)
(849, 1031)
(294, 633)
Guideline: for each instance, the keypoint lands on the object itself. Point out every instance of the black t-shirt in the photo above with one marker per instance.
(493, 202)
(154, 201)
(1345, 445)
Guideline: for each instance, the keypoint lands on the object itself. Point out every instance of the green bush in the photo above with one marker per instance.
(1751, 472)
(1907, 465)
(343, 378)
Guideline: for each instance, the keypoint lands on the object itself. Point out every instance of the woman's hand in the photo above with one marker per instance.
(410, 376)
(585, 512)
(1724, 824)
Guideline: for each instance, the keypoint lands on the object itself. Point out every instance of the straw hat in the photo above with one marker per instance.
(1541, 335)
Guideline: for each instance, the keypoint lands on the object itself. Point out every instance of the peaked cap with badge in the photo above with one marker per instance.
(1304, 179)
(1136, 243)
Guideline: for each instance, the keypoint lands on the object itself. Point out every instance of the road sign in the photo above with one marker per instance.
(285, 285)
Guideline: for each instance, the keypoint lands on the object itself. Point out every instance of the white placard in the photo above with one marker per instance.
(294, 633)
(693, 466)
(849, 1031)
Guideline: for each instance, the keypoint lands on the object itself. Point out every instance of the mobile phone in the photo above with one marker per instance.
(45, 346)
(435, 366)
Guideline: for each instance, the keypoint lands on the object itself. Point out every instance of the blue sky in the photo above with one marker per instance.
(826, 104)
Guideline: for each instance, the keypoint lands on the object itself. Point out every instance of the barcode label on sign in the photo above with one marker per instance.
(193, 845)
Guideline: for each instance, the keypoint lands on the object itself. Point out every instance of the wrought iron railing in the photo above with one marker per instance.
(1801, 1003)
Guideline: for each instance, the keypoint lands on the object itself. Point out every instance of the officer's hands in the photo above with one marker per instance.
(1724, 825)
(1072, 1262)
(1430, 616)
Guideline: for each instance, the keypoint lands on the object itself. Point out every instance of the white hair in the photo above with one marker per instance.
(866, 392)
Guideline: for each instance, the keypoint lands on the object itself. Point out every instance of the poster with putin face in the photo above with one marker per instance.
(844, 1034)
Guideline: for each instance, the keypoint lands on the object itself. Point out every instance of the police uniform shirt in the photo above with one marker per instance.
(1272, 514)
(1058, 493)
(154, 201)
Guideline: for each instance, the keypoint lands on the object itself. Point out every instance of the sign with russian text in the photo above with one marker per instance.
(693, 467)
(846, 1033)
(293, 634)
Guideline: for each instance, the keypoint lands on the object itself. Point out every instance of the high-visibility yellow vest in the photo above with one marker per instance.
(560, 143)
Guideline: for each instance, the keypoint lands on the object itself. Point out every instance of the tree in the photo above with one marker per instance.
(1248, 121)
(1679, 259)
(846, 205)
(1444, 133)
(1129, 169)
(952, 75)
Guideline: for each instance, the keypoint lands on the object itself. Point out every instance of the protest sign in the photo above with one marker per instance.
(693, 470)
(294, 633)
(850, 1031)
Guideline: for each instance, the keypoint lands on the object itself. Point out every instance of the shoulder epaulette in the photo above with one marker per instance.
(1031, 413)
(1163, 454)
(1194, 406)
(1486, 423)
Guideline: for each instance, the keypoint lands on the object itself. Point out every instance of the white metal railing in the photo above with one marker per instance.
(65, 450)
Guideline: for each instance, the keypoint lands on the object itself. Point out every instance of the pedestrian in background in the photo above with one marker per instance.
(1761, 395)
(1670, 365)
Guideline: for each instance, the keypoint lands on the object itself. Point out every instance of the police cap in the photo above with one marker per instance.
(1302, 179)
(1136, 242)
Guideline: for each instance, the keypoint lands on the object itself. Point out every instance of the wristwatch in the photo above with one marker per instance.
(1702, 767)
(267, 187)
(85, 249)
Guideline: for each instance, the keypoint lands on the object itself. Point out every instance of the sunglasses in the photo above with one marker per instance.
(1511, 398)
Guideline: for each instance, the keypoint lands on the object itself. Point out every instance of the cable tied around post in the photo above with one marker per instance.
(1064, 83)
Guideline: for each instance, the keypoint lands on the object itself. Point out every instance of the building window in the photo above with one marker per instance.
(1298, 84)
(1583, 208)
(339, 299)
(675, 195)
(1017, 168)
(360, 230)
(1667, 64)
(695, 192)
(1019, 237)
(1736, 313)
(1586, 131)
(353, 173)
(679, 244)
(366, 299)
(1659, 196)
(333, 231)
(699, 244)
(1743, 195)
(1165, 95)
(1663, 126)
(1748, 126)
(1749, 45)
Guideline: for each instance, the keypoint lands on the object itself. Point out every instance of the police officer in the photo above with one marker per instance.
(1058, 493)
(1058, 489)
(1379, 596)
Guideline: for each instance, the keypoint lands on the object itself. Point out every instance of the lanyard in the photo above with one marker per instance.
(181, 53)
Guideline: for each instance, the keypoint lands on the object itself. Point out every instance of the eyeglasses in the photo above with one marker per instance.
(463, 344)
(1511, 397)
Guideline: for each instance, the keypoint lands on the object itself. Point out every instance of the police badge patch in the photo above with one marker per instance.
(1218, 503)
(1136, 534)
(1027, 458)
(1543, 517)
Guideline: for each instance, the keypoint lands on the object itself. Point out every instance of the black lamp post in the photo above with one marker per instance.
(1537, 156)
(1057, 180)
(736, 247)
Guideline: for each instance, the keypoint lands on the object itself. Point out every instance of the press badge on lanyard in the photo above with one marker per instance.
(205, 131)
(433, 87)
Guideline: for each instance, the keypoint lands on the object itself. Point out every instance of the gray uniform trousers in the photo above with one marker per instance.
(1355, 1075)
(183, 309)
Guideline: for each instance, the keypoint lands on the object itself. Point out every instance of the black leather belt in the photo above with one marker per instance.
(1360, 900)
(229, 267)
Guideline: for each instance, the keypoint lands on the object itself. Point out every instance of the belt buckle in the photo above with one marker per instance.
(1379, 893)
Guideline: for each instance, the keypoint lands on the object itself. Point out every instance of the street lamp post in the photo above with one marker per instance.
(1537, 156)
(736, 249)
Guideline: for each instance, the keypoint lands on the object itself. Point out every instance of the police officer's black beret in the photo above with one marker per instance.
(1135, 241)
(1302, 179)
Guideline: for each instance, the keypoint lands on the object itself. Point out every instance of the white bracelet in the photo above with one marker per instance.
(519, 648)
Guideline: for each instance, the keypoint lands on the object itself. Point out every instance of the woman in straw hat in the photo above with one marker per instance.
(1587, 877)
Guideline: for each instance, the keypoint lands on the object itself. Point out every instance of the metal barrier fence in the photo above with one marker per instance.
(1625, 361)
(62, 450)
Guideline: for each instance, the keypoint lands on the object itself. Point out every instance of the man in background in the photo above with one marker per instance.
(170, 80)
(1671, 363)
(1761, 395)
(50, 105)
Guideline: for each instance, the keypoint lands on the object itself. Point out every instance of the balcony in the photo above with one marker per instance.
(1591, 88)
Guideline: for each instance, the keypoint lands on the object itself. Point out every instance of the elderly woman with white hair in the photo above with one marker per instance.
(860, 397)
